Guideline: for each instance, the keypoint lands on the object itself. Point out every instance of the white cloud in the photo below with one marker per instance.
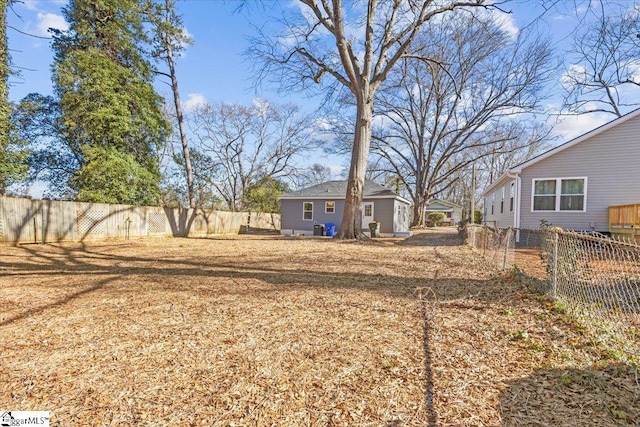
(30, 4)
(507, 23)
(338, 171)
(569, 127)
(50, 20)
(194, 100)
(576, 73)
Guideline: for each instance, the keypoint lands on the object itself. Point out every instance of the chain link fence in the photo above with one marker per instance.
(594, 277)
(496, 244)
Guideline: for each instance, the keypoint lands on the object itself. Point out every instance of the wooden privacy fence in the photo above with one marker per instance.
(624, 221)
(24, 220)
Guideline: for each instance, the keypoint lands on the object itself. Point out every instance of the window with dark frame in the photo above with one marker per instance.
(559, 194)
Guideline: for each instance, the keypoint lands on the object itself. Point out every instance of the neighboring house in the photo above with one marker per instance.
(324, 203)
(451, 210)
(572, 185)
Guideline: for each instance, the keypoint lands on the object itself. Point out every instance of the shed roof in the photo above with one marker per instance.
(338, 190)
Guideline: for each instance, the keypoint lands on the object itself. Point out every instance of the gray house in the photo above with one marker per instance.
(324, 204)
(452, 211)
(573, 185)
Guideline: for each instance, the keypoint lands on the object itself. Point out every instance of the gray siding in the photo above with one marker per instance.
(384, 211)
(505, 218)
(291, 214)
(608, 160)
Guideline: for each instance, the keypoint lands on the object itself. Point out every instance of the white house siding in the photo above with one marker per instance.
(505, 218)
(402, 217)
(608, 160)
(456, 211)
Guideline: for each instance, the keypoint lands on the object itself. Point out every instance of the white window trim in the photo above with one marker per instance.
(303, 211)
(558, 193)
(325, 207)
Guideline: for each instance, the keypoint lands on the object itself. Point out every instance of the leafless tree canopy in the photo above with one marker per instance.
(356, 45)
(466, 93)
(238, 146)
(604, 75)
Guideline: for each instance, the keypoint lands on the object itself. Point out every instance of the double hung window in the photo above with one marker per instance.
(559, 194)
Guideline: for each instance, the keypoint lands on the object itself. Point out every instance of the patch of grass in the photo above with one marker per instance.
(519, 335)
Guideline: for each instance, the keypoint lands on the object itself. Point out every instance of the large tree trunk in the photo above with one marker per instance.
(351, 226)
(419, 217)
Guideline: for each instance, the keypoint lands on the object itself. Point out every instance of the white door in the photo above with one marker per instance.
(367, 214)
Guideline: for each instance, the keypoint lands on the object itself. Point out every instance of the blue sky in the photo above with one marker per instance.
(215, 69)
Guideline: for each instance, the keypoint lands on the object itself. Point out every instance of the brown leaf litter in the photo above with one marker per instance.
(276, 331)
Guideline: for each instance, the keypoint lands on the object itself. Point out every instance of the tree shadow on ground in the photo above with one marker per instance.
(596, 396)
(232, 275)
(433, 237)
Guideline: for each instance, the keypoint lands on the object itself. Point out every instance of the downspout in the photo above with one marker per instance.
(516, 216)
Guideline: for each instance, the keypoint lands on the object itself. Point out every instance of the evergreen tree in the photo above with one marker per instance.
(103, 79)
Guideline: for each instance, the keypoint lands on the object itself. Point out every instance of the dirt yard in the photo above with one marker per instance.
(277, 331)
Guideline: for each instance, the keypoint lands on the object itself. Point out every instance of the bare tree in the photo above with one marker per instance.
(169, 39)
(470, 98)
(314, 174)
(604, 75)
(240, 146)
(357, 45)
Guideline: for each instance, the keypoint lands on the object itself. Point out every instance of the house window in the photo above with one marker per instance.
(559, 194)
(307, 211)
(368, 209)
(511, 196)
(493, 202)
(329, 207)
(502, 202)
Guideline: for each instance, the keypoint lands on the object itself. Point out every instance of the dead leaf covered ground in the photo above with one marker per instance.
(269, 330)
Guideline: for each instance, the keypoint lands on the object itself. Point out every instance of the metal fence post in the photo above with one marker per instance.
(507, 240)
(554, 271)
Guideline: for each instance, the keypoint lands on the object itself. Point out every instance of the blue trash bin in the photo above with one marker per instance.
(330, 229)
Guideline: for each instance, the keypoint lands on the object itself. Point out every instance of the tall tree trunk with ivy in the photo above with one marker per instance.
(4, 98)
